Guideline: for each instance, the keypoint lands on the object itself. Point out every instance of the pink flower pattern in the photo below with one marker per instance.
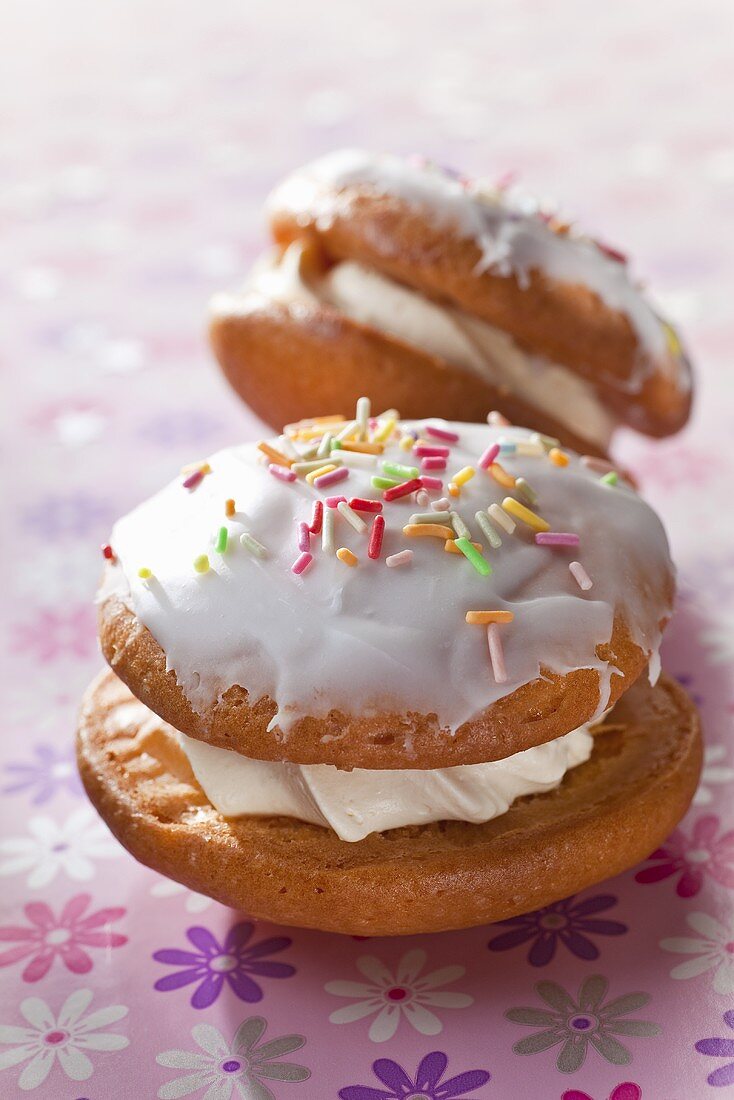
(50, 634)
(693, 857)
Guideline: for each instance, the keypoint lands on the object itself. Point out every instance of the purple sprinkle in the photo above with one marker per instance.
(556, 538)
(193, 480)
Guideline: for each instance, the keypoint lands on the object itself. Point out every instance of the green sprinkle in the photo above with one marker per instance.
(222, 539)
(430, 517)
(253, 546)
(483, 567)
(325, 445)
(403, 473)
(611, 478)
(201, 564)
(488, 530)
(460, 527)
(526, 490)
(386, 482)
(548, 441)
(336, 445)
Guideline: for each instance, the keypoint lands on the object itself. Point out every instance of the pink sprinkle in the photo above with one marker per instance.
(496, 653)
(612, 253)
(302, 562)
(489, 456)
(317, 518)
(600, 465)
(376, 533)
(580, 575)
(443, 504)
(332, 478)
(404, 489)
(361, 504)
(281, 472)
(193, 479)
(304, 537)
(497, 420)
(556, 538)
(334, 502)
(422, 498)
(431, 482)
(441, 433)
(403, 558)
(433, 464)
(425, 450)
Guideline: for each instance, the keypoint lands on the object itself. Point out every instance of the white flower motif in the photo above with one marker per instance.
(70, 848)
(232, 1067)
(713, 951)
(713, 772)
(403, 994)
(167, 888)
(65, 1037)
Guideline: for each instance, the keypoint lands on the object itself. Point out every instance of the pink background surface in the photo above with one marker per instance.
(137, 142)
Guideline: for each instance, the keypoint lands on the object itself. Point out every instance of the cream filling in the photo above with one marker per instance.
(443, 331)
(357, 803)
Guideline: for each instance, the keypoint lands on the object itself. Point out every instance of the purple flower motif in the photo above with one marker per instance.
(72, 514)
(427, 1084)
(187, 427)
(567, 922)
(49, 635)
(52, 771)
(211, 964)
(720, 1048)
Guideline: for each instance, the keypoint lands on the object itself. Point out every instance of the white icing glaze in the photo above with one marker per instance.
(512, 239)
(371, 640)
(372, 299)
(357, 803)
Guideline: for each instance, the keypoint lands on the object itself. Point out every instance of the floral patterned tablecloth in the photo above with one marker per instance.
(137, 142)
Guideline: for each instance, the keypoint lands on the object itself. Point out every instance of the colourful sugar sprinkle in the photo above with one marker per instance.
(501, 476)
(406, 443)
(364, 408)
(317, 517)
(202, 467)
(334, 502)
(525, 490)
(274, 454)
(481, 618)
(304, 537)
(556, 538)
(459, 526)
(394, 469)
(428, 450)
(430, 517)
(508, 448)
(558, 457)
(349, 430)
(347, 556)
(548, 442)
(384, 483)
(303, 468)
(579, 574)
(320, 471)
(327, 531)
(356, 460)
(441, 433)
(402, 490)
(363, 448)
(454, 490)
(464, 475)
(222, 539)
(501, 518)
(427, 530)
(496, 653)
(144, 573)
(324, 448)
(405, 557)
(229, 508)
(361, 504)
(497, 420)
(253, 545)
(332, 477)
(376, 534)
(433, 463)
(108, 552)
(281, 472)
(488, 530)
(488, 456)
(519, 511)
(422, 498)
(482, 567)
(387, 427)
(451, 548)
(600, 465)
(430, 482)
(389, 414)
(201, 563)
(193, 479)
(530, 447)
(302, 562)
(351, 517)
(441, 505)
(610, 479)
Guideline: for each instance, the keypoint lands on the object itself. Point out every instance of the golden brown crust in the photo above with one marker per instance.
(325, 360)
(607, 814)
(533, 714)
(569, 324)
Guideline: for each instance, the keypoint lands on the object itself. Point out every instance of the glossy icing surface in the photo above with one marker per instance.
(372, 639)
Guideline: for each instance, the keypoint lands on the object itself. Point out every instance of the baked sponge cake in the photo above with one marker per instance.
(381, 676)
(428, 291)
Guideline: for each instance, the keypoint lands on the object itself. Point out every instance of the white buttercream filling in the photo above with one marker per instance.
(448, 333)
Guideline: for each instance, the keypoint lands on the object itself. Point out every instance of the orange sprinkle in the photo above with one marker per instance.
(275, 455)
(481, 618)
(558, 457)
(454, 490)
(500, 475)
(229, 508)
(451, 548)
(347, 556)
(363, 448)
(427, 530)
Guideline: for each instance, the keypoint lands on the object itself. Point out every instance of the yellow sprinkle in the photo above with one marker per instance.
(481, 618)
(427, 530)
(464, 475)
(454, 490)
(201, 564)
(202, 467)
(407, 443)
(310, 478)
(386, 429)
(519, 511)
(671, 338)
(274, 455)
(558, 457)
(451, 548)
(347, 556)
(500, 475)
(315, 421)
(144, 573)
(306, 434)
(363, 447)
(229, 508)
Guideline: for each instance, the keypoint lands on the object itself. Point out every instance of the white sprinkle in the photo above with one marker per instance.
(364, 408)
(253, 546)
(285, 445)
(501, 517)
(580, 575)
(356, 459)
(351, 517)
(442, 505)
(497, 420)
(348, 430)
(496, 653)
(422, 498)
(405, 557)
(325, 445)
(488, 530)
(327, 531)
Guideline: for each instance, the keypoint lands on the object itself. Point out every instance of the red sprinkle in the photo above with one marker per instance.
(317, 518)
(304, 537)
(430, 482)
(108, 552)
(441, 433)
(377, 531)
(404, 489)
(424, 450)
(612, 253)
(193, 480)
(333, 502)
(433, 464)
(361, 504)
